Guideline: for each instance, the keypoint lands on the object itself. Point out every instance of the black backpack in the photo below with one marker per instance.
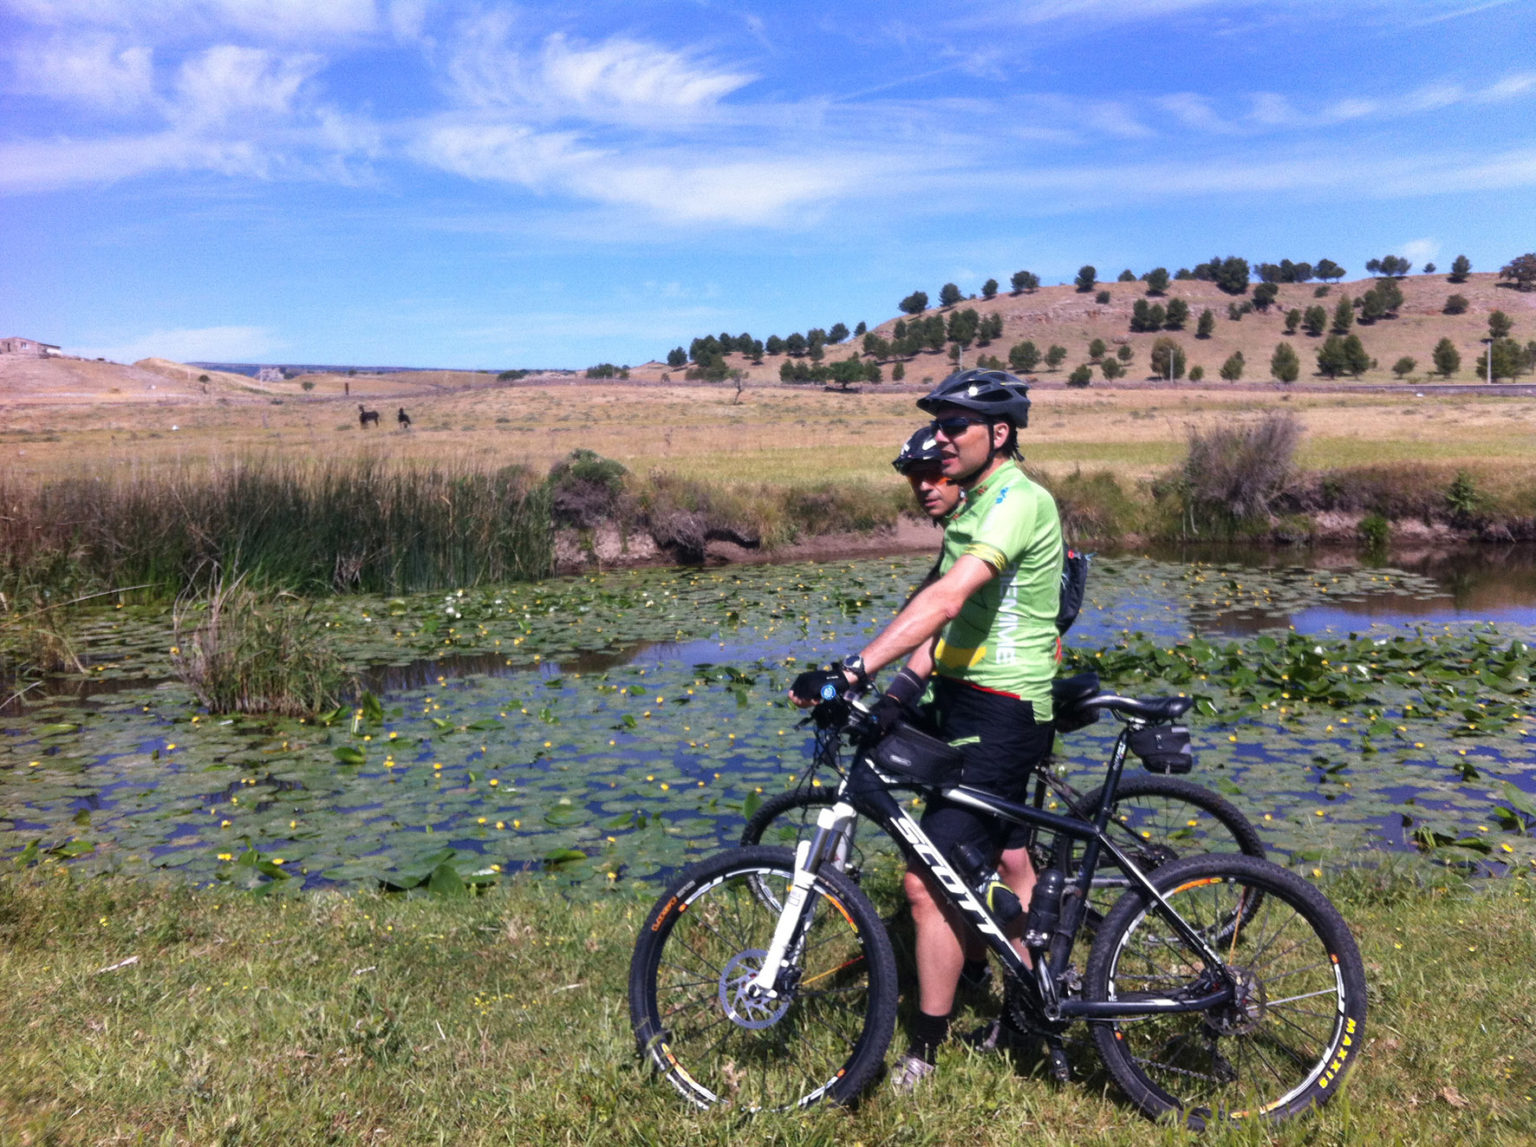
(1074, 584)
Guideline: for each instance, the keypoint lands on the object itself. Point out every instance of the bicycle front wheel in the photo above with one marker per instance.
(1295, 1025)
(699, 1023)
(868, 857)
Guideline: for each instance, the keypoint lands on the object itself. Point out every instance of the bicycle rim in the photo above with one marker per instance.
(697, 1023)
(1295, 1027)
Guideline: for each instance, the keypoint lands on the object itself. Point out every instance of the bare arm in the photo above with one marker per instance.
(921, 619)
(927, 613)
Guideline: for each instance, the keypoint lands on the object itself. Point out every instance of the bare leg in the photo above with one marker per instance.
(940, 952)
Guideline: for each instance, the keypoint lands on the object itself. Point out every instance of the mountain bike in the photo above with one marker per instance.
(1218, 987)
(1156, 818)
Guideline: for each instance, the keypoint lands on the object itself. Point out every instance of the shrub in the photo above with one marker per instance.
(1196, 373)
(1081, 375)
(1232, 474)
(1462, 497)
(1167, 359)
(1285, 364)
(1395, 490)
(1375, 531)
(585, 489)
(1455, 305)
(1093, 507)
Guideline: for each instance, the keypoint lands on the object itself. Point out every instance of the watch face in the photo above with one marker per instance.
(828, 691)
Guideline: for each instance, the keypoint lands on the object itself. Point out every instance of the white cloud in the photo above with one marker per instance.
(748, 192)
(35, 165)
(1508, 88)
(1395, 176)
(408, 19)
(627, 72)
(510, 153)
(92, 69)
(676, 186)
(1272, 110)
(281, 20)
(228, 80)
(203, 344)
(1194, 111)
(1420, 250)
(618, 78)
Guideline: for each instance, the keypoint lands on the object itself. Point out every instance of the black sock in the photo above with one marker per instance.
(927, 1032)
(973, 973)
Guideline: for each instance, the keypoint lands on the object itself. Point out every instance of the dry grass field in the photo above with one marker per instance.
(64, 416)
(769, 433)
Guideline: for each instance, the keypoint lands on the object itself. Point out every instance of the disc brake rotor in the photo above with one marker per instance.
(743, 1004)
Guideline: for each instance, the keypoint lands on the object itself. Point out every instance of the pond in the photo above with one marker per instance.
(609, 728)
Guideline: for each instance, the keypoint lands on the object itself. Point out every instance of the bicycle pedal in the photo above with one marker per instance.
(1061, 1066)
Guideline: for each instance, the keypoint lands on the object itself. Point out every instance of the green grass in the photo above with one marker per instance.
(502, 1019)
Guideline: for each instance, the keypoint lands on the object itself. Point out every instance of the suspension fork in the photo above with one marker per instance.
(832, 827)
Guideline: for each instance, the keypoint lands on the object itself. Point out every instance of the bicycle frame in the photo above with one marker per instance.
(864, 790)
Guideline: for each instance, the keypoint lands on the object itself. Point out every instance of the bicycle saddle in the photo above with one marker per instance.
(1154, 709)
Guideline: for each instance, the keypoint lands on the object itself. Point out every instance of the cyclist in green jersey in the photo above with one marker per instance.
(985, 630)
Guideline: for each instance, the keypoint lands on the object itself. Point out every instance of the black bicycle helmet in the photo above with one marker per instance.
(922, 449)
(995, 394)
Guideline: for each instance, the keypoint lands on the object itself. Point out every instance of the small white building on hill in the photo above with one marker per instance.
(29, 348)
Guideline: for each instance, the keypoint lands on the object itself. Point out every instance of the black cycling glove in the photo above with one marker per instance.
(814, 684)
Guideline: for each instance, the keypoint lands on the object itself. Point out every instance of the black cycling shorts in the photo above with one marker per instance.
(1008, 743)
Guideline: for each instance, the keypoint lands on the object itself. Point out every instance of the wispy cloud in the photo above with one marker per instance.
(202, 344)
(280, 20)
(37, 165)
(227, 81)
(617, 79)
(96, 70)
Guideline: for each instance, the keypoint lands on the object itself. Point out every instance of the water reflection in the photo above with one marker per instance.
(1470, 583)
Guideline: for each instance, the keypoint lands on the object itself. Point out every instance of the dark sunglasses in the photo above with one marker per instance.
(955, 425)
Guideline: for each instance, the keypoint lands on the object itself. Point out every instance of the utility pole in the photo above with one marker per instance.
(1488, 358)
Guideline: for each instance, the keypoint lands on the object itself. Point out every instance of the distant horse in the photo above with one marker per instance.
(403, 419)
(365, 416)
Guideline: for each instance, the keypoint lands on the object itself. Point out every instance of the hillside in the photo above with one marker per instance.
(1063, 315)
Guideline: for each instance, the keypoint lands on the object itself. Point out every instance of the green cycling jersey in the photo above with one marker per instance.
(1004, 638)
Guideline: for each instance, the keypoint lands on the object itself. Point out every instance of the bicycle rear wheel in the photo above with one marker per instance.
(1295, 1027)
(1156, 820)
(694, 1018)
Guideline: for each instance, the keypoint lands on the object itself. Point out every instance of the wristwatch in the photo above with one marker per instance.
(854, 663)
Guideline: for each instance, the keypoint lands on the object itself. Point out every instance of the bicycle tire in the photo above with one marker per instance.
(873, 861)
(1283, 1047)
(707, 934)
(1157, 820)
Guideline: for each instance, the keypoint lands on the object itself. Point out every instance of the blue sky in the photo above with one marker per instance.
(481, 184)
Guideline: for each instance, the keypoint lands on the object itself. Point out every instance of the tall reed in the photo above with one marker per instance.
(246, 652)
